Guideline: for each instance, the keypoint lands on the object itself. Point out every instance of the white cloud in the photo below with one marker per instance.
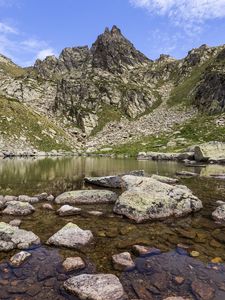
(33, 43)
(4, 28)
(186, 13)
(42, 54)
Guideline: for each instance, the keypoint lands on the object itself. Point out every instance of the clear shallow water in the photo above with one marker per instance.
(113, 234)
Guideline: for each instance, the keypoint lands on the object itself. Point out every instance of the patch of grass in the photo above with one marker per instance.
(13, 70)
(108, 114)
(19, 121)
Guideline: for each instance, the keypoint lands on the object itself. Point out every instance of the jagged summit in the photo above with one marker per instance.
(114, 53)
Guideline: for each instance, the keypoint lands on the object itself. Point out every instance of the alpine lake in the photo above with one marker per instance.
(42, 277)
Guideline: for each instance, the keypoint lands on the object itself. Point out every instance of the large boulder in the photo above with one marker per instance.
(95, 287)
(210, 152)
(113, 181)
(14, 238)
(86, 197)
(148, 199)
(71, 236)
(18, 208)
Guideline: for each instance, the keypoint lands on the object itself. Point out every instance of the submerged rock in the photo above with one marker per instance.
(86, 197)
(17, 259)
(68, 210)
(219, 213)
(149, 199)
(165, 179)
(12, 237)
(210, 152)
(144, 250)
(186, 173)
(123, 261)
(113, 181)
(71, 236)
(17, 208)
(73, 263)
(95, 287)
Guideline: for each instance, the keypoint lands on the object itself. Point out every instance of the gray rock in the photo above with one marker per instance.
(50, 198)
(149, 199)
(73, 263)
(17, 208)
(42, 196)
(165, 179)
(67, 210)
(123, 261)
(19, 258)
(219, 213)
(14, 238)
(86, 197)
(10, 198)
(186, 174)
(47, 206)
(25, 198)
(113, 181)
(212, 152)
(95, 287)
(15, 222)
(71, 236)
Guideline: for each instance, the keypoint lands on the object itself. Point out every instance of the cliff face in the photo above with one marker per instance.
(84, 89)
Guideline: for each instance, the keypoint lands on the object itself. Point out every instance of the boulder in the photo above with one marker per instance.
(210, 152)
(73, 263)
(95, 287)
(123, 261)
(219, 213)
(149, 199)
(14, 238)
(15, 222)
(165, 179)
(17, 208)
(17, 259)
(10, 198)
(71, 236)
(68, 210)
(86, 197)
(113, 181)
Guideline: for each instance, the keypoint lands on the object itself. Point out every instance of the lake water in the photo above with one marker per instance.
(113, 234)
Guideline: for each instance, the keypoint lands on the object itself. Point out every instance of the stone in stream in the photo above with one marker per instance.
(25, 198)
(68, 210)
(86, 197)
(186, 174)
(123, 261)
(15, 222)
(73, 263)
(95, 213)
(71, 236)
(144, 250)
(95, 287)
(47, 206)
(113, 181)
(17, 208)
(202, 290)
(219, 212)
(17, 259)
(42, 196)
(210, 152)
(10, 198)
(14, 238)
(149, 199)
(50, 198)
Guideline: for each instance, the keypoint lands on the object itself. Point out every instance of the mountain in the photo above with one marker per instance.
(112, 93)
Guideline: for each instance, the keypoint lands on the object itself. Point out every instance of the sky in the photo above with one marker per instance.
(31, 29)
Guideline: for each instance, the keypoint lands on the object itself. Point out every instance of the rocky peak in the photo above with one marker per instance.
(114, 53)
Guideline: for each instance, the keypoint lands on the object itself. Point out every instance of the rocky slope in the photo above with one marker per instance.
(111, 93)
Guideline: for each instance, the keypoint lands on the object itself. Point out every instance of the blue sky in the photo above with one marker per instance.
(31, 29)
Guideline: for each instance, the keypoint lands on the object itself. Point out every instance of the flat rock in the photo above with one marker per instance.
(71, 236)
(68, 210)
(17, 208)
(165, 179)
(12, 237)
(113, 181)
(73, 263)
(86, 197)
(95, 287)
(186, 174)
(17, 259)
(210, 152)
(149, 199)
(123, 261)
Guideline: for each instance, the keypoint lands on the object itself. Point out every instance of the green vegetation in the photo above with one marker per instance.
(197, 130)
(107, 114)
(12, 70)
(17, 121)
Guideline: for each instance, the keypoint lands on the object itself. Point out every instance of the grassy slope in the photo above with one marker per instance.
(17, 120)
